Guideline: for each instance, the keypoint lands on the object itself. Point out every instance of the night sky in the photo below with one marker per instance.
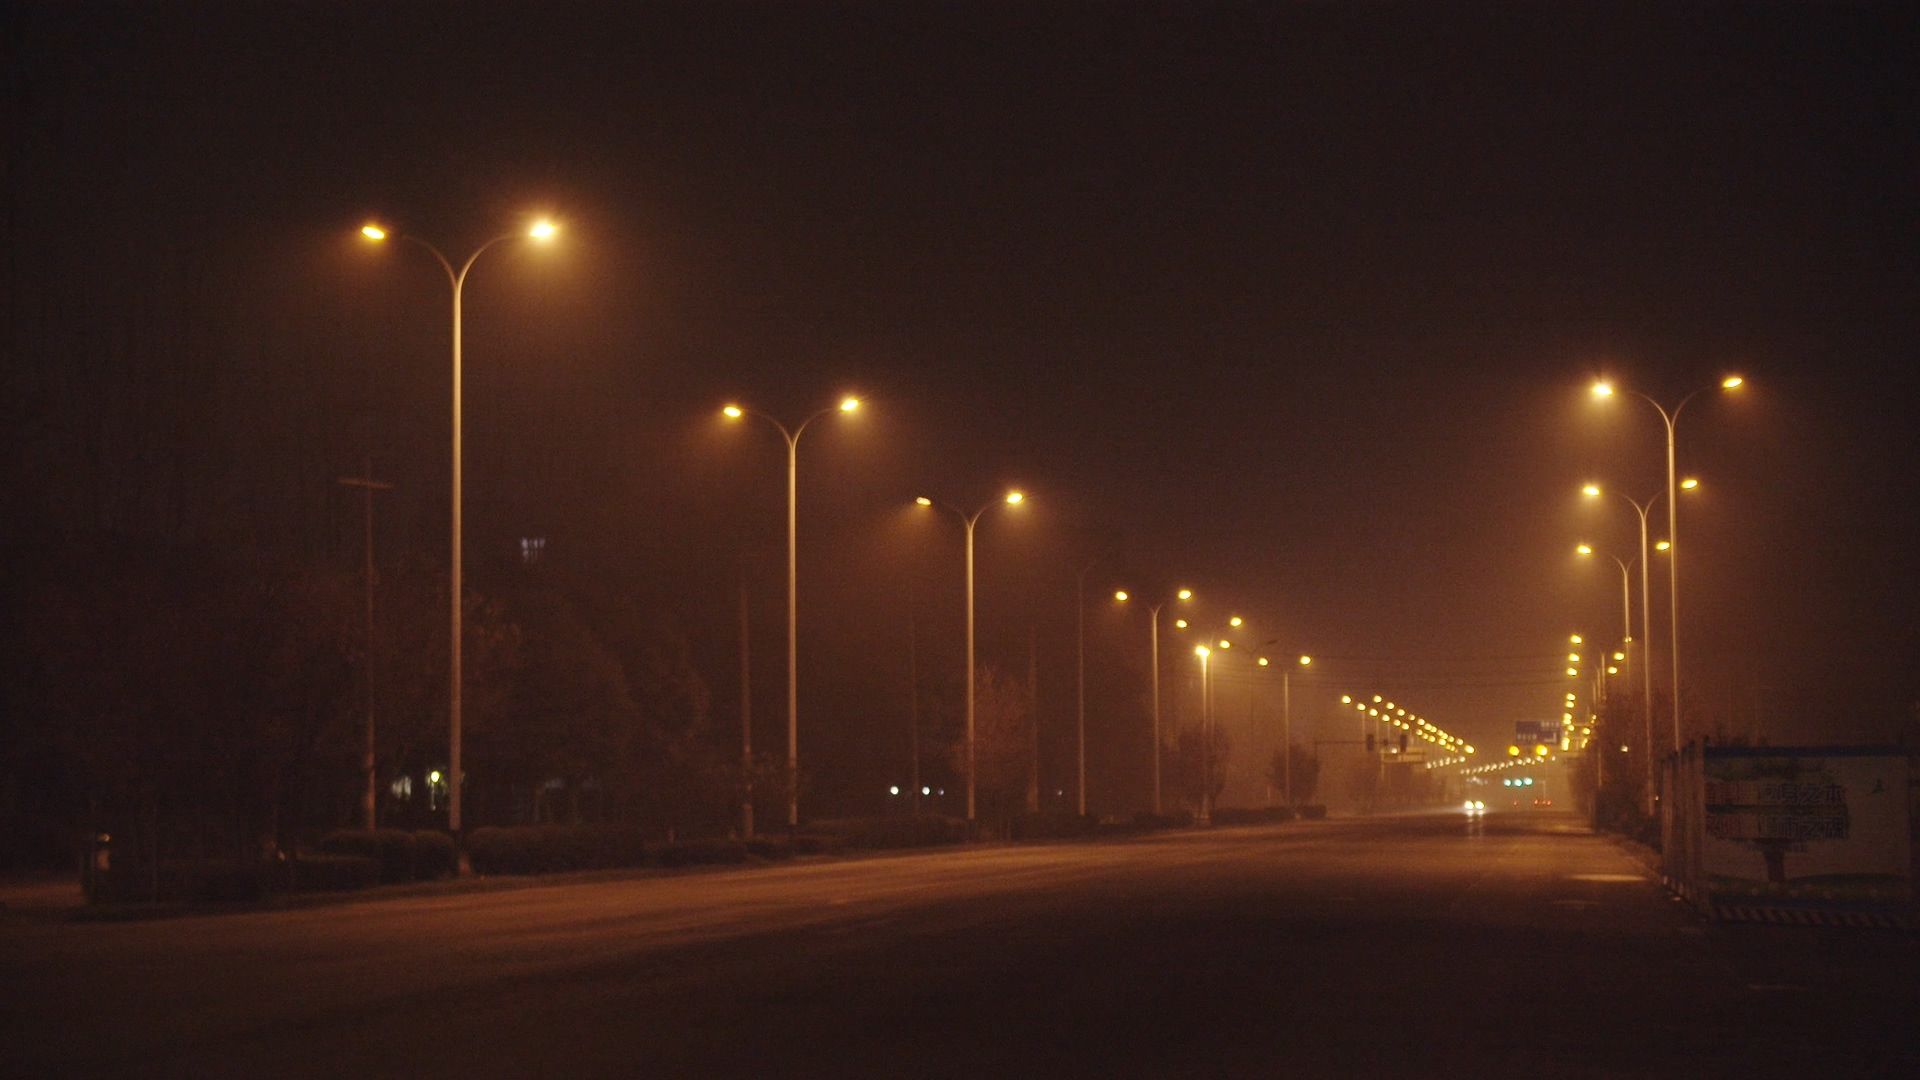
(1298, 306)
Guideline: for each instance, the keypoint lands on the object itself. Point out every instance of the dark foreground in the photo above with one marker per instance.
(1411, 946)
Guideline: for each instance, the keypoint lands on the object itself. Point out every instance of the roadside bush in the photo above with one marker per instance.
(766, 847)
(1050, 825)
(703, 853)
(553, 849)
(320, 871)
(1252, 815)
(184, 881)
(891, 832)
(813, 844)
(392, 849)
(434, 855)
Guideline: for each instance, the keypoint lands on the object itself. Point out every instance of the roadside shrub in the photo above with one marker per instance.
(1050, 825)
(320, 871)
(813, 844)
(553, 849)
(927, 830)
(392, 849)
(703, 853)
(132, 881)
(766, 847)
(434, 855)
(1252, 815)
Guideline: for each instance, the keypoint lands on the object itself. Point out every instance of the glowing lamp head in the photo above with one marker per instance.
(1121, 595)
(1235, 621)
(1202, 651)
(1619, 656)
(543, 230)
(1573, 672)
(1731, 382)
(1576, 639)
(1262, 661)
(1662, 545)
(1612, 670)
(1573, 657)
(1185, 594)
(1225, 644)
(1346, 699)
(1582, 549)
(1602, 389)
(1305, 660)
(923, 501)
(1015, 498)
(1689, 483)
(373, 232)
(1591, 491)
(733, 412)
(849, 404)
(1513, 751)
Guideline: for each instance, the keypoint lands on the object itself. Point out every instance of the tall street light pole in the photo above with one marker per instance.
(1153, 673)
(792, 437)
(1012, 498)
(369, 798)
(1641, 511)
(542, 230)
(1286, 721)
(1626, 610)
(1206, 733)
(1671, 420)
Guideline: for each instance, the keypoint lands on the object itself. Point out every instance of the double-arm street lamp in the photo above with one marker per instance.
(542, 230)
(1011, 498)
(1286, 716)
(792, 437)
(1153, 672)
(1671, 419)
(1586, 551)
(1642, 509)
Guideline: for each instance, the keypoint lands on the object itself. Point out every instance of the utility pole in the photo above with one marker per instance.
(746, 709)
(369, 797)
(1033, 718)
(913, 713)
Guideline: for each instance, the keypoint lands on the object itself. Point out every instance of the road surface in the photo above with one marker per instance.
(1423, 945)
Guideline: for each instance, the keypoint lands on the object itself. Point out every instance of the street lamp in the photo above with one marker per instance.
(792, 437)
(1011, 498)
(541, 231)
(1153, 670)
(1206, 733)
(1671, 419)
(1641, 510)
(1626, 610)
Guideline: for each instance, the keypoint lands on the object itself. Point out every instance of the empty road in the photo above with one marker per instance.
(1420, 945)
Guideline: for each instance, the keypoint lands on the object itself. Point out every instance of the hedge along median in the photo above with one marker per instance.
(401, 855)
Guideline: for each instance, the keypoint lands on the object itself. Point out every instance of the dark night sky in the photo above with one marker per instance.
(1296, 304)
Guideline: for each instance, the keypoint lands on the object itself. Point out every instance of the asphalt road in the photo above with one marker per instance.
(1423, 945)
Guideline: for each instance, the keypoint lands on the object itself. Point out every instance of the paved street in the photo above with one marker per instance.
(1411, 946)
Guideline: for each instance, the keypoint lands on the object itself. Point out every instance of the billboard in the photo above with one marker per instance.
(1813, 825)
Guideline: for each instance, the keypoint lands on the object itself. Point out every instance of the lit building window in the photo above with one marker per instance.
(531, 548)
